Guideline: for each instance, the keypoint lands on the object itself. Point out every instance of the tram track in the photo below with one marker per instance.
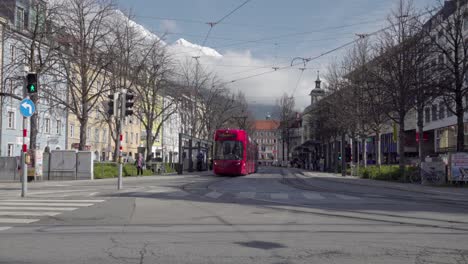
(303, 208)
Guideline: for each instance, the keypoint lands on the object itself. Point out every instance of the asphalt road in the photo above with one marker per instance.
(275, 216)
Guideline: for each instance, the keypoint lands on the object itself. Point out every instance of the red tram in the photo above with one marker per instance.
(235, 153)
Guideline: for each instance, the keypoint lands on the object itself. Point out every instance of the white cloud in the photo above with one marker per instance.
(169, 26)
(263, 89)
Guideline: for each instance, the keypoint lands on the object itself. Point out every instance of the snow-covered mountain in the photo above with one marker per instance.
(186, 45)
(181, 47)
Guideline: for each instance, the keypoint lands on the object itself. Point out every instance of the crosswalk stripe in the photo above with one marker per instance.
(313, 196)
(214, 194)
(17, 220)
(37, 208)
(57, 191)
(279, 196)
(347, 197)
(248, 195)
(55, 200)
(46, 204)
(3, 228)
(16, 213)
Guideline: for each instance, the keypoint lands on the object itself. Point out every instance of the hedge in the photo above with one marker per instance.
(384, 172)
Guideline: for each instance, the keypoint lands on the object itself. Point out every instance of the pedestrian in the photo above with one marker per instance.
(139, 163)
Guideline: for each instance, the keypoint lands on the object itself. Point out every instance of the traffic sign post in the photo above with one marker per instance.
(27, 109)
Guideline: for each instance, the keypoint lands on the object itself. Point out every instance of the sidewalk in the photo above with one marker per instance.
(14, 185)
(332, 177)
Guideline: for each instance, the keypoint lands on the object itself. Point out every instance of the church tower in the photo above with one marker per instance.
(317, 93)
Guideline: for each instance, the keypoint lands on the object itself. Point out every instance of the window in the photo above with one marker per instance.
(11, 120)
(136, 138)
(58, 128)
(465, 22)
(131, 137)
(104, 136)
(47, 125)
(228, 150)
(449, 113)
(126, 137)
(19, 18)
(441, 111)
(12, 54)
(434, 112)
(10, 149)
(88, 133)
(72, 131)
(96, 135)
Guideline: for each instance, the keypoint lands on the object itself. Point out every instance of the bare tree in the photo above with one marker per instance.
(157, 98)
(396, 67)
(285, 106)
(35, 48)
(446, 31)
(135, 67)
(84, 26)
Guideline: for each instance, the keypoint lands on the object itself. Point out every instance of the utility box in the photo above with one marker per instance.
(84, 165)
(62, 165)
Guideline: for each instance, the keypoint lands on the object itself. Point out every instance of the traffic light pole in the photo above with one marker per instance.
(121, 115)
(24, 167)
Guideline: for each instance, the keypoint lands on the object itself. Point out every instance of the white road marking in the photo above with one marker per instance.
(15, 213)
(17, 221)
(54, 200)
(279, 196)
(214, 194)
(46, 204)
(247, 195)
(347, 197)
(3, 228)
(37, 208)
(313, 196)
(57, 191)
(92, 194)
(178, 194)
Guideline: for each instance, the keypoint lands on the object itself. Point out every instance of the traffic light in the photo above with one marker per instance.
(112, 103)
(129, 96)
(31, 82)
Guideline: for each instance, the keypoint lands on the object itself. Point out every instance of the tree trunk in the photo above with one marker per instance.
(34, 126)
(364, 155)
(420, 133)
(401, 144)
(343, 156)
(460, 125)
(379, 149)
(149, 144)
(83, 130)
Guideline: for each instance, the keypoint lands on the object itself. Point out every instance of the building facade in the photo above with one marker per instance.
(266, 134)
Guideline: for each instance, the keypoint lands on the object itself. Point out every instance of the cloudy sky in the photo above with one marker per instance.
(264, 34)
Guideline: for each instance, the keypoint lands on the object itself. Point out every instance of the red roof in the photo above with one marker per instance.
(266, 124)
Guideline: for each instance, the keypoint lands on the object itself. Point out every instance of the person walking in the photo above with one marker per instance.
(139, 163)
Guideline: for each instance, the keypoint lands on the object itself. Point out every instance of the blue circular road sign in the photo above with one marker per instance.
(27, 107)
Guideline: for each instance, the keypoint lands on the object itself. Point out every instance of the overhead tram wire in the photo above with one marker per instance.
(323, 54)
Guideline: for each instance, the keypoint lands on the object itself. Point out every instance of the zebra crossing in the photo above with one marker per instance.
(285, 196)
(15, 212)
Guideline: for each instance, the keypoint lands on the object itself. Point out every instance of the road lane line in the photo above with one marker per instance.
(347, 197)
(3, 228)
(38, 208)
(54, 200)
(47, 204)
(279, 196)
(16, 213)
(17, 221)
(246, 195)
(313, 196)
(214, 194)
